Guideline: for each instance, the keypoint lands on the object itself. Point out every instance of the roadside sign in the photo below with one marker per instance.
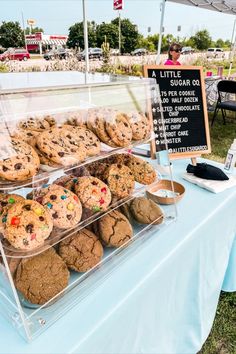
(31, 22)
(118, 4)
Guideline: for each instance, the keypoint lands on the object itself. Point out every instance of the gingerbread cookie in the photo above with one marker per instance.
(114, 229)
(63, 205)
(19, 161)
(6, 202)
(62, 145)
(34, 123)
(81, 251)
(145, 211)
(142, 170)
(28, 224)
(93, 193)
(42, 277)
(120, 180)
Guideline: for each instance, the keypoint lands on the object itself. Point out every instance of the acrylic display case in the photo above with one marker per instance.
(67, 162)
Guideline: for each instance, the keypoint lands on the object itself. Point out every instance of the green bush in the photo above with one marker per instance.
(3, 68)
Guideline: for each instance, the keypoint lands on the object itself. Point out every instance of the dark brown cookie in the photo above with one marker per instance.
(81, 251)
(42, 277)
(145, 211)
(115, 229)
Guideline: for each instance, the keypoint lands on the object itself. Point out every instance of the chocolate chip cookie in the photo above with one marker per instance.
(61, 145)
(34, 123)
(139, 124)
(63, 205)
(27, 136)
(81, 251)
(93, 193)
(114, 229)
(145, 211)
(119, 129)
(19, 161)
(42, 277)
(28, 224)
(142, 170)
(120, 180)
(90, 140)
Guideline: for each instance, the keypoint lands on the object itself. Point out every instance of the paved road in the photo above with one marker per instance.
(73, 64)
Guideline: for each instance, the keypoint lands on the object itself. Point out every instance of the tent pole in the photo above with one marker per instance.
(232, 49)
(85, 37)
(158, 59)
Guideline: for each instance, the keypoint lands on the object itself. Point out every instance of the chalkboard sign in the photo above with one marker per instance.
(184, 110)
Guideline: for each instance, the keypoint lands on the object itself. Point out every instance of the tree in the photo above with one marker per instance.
(34, 30)
(110, 30)
(219, 43)
(76, 35)
(11, 35)
(129, 34)
(201, 39)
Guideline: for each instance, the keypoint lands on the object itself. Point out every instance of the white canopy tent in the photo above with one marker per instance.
(223, 6)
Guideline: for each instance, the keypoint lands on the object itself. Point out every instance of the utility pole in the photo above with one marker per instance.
(119, 34)
(158, 59)
(23, 25)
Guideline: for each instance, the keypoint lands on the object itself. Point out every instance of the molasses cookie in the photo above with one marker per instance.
(63, 205)
(93, 193)
(28, 224)
(19, 162)
(42, 277)
(81, 251)
(114, 229)
(145, 211)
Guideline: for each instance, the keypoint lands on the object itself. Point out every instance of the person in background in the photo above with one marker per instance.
(174, 53)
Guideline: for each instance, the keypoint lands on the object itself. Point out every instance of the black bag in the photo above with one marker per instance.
(205, 171)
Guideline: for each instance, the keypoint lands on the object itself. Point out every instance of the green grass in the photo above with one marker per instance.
(222, 339)
(222, 136)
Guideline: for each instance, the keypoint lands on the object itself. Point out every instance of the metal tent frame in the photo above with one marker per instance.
(223, 6)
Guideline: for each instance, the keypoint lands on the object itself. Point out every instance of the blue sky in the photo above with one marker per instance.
(56, 16)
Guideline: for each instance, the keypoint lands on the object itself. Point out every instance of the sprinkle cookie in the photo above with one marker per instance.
(93, 193)
(63, 205)
(28, 224)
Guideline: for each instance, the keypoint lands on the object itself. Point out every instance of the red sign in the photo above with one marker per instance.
(58, 37)
(117, 4)
(37, 36)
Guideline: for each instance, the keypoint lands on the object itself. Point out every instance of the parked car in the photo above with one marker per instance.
(187, 50)
(139, 51)
(114, 51)
(215, 53)
(59, 53)
(15, 54)
(93, 53)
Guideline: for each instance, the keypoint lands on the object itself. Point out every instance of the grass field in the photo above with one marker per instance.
(222, 339)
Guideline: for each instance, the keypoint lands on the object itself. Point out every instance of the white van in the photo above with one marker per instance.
(215, 53)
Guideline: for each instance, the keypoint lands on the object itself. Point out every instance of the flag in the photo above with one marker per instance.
(117, 4)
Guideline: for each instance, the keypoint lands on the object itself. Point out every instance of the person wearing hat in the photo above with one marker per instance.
(174, 53)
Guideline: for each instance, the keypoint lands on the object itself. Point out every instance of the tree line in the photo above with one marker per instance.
(12, 35)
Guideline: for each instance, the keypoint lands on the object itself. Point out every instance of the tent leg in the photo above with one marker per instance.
(85, 38)
(158, 59)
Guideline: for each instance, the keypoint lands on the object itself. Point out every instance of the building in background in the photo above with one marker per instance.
(40, 42)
